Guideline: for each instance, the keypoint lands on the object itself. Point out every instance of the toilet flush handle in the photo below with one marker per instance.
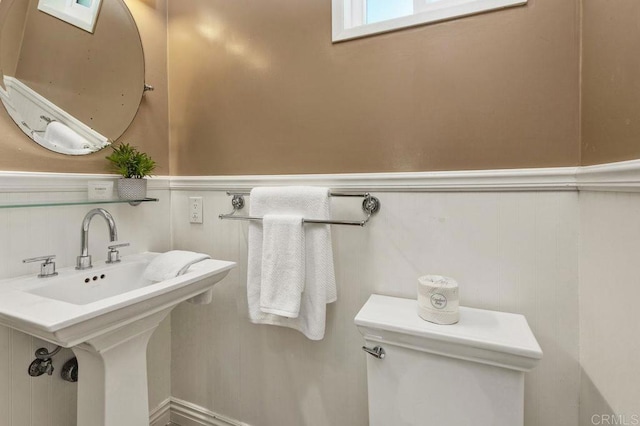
(377, 351)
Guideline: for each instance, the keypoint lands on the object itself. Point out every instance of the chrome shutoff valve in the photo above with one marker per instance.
(43, 362)
(70, 370)
(41, 366)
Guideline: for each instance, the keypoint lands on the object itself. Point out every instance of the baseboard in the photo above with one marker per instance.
(161, 415)
(184, 413)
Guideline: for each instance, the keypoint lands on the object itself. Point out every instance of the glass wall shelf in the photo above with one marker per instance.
(9, 204)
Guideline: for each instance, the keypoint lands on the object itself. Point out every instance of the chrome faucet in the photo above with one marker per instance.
(84, 260)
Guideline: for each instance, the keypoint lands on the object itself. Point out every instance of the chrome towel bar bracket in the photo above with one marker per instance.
(370, 206)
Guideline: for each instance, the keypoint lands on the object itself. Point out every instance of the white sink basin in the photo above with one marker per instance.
(106, 314)
(66, 310)
(90, 285)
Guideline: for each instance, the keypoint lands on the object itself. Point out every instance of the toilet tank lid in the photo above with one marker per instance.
(487, 330)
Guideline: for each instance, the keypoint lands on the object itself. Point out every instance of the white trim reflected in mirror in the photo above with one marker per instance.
(48, 124)
(356, 18)
(81, 13)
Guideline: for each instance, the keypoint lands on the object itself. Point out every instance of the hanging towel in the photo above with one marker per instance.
(172, 264)
(282, 265)
(319, 283)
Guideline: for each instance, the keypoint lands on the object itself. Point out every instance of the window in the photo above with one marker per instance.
(81, 13)
(359, 18)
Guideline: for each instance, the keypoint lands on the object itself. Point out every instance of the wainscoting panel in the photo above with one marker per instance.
(511, 238)
(609, 314)
(510, 251)
(29, 232)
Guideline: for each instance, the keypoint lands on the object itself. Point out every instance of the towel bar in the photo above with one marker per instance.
(370, 206)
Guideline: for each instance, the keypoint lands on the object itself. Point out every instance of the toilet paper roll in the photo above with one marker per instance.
(438, 299)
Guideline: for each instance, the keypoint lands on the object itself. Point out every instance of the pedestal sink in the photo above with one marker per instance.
(106, 315)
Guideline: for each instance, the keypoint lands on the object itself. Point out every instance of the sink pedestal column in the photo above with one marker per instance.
(112, 369)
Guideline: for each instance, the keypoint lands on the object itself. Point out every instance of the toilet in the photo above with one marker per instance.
(424, 374)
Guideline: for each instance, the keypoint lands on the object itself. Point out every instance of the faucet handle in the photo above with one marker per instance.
(113, 256)
(48, 266)
(118, 245)
(47, 259)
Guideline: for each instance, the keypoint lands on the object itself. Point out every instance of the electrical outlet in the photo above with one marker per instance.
(195, 209)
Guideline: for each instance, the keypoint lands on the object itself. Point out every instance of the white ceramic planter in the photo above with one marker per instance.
(132, 189)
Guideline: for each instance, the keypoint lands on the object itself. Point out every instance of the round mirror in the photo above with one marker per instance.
(71, 88)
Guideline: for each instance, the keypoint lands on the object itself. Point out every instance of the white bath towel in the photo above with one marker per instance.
(320, 284)
(283, 260)
(172, 264)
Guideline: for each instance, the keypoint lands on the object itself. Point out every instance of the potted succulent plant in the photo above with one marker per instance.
(133, 165)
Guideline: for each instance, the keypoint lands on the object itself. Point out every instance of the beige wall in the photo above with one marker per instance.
(11, 31)
(611, 81)
(149, 130)
(262, 90)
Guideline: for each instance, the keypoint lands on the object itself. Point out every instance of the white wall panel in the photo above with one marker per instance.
(514, 251)
(609, 314)
(28, 232)
(510, 251)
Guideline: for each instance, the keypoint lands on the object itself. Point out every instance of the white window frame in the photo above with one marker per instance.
(348, 16)
(70, 11)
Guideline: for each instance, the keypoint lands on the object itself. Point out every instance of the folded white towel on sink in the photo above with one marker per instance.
(282, 265)
(172, 264)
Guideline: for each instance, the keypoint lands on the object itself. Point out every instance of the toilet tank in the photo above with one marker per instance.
(467, 374)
